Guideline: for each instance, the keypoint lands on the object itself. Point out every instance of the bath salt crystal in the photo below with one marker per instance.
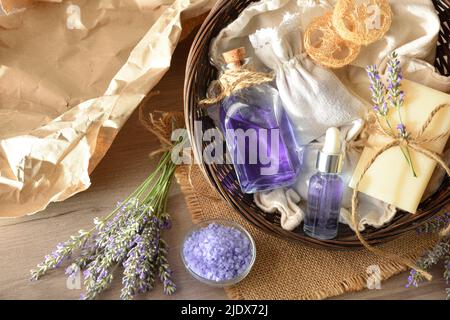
(217, 252)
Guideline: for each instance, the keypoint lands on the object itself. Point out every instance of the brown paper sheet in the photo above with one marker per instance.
(71, 74)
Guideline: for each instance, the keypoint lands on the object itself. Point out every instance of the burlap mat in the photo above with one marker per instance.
(288, 270)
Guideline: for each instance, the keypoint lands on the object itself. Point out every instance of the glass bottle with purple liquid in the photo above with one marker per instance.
(326, 189)
(259, 136)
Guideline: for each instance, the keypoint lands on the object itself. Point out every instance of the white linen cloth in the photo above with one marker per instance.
(413, 34)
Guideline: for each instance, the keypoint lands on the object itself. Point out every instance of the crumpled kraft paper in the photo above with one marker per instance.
(71, 74)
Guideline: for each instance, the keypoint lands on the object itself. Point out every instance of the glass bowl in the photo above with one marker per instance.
(225, 283)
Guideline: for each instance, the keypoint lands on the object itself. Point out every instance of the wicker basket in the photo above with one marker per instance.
(200, 72)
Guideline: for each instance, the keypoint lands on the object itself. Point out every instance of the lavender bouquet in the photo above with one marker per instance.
(129, 236)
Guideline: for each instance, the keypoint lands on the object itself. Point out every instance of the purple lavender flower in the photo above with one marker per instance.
(166, 221)
(378, 91)
(99, 276)
(401, 129)
(165, 272)
(395, 94)
(412, 279)
(141, 263)
(62, 253)
(72, 270)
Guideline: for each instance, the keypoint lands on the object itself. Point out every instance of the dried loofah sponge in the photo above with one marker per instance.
(362, 21)
(324, 45)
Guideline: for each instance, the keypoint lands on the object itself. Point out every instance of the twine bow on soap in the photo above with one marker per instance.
(415, 142)
(237, 79)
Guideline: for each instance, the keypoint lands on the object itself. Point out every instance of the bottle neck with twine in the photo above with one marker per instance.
(236, 77)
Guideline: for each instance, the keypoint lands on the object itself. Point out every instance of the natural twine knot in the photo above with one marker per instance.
(237, 79)
(415, 142)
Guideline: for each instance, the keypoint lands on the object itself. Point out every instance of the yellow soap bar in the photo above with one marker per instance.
(390, 178)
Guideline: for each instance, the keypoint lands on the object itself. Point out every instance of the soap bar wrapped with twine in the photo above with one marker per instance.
(415, 141)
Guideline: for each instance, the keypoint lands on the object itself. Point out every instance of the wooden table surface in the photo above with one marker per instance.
(23, 244)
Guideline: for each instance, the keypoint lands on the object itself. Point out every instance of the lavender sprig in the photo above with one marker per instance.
(378, 91)
(130, 236)
(165, 273)
(395, 99)
(62, 253)
(140, 264)
(436, 224)
(441, 252)
(98, 276)
(395, 94)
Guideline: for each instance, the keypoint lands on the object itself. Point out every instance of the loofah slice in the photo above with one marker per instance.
(324, 45)
(362, 21)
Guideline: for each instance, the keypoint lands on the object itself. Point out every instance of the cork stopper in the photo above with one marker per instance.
(235, 56)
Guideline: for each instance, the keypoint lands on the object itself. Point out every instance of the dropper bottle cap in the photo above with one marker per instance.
(330, 158)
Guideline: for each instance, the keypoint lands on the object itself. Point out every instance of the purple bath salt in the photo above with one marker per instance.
(218, 253)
